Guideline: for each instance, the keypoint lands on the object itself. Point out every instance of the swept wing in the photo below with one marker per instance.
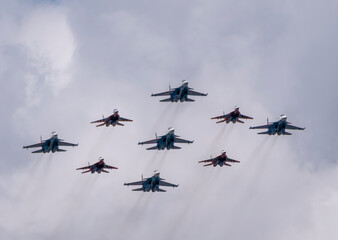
(288, 126)
(125, 119)
(261, 127)
(34, 145)
(244, 116)
(99, 121)
(166, 184)
(110, 167)
(232, 160)
(163, 93)
(195, 93)
(67, 144)
(148, 142)
(222, 116)
(134, 183)
(83, 168)
(180, 140)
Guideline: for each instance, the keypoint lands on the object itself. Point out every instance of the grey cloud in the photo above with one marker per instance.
(268, 58)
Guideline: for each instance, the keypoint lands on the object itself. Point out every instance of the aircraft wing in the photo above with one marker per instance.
(134, 183)
(83, 168)
(232, 160)
(162, 93)
(34, 145)
(205, 161)
(148, 142)
(221, 117)
(180, 140)
(109, 167)
(99, 121)
(245, 117)
(163, 183)
(260, 127)
(288, 126)
(67, 144)
(125, 119)
(194, 93)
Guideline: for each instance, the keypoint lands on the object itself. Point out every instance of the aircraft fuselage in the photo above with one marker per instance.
(179, 94)
(151, 184)
(51, 144)
(166, 142)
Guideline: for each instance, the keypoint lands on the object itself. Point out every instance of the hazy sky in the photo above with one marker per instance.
(65, 63)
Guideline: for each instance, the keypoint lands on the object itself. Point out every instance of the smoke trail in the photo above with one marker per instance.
(151, 160)
(218, 137)
(159, 162)
(163, 115)
(135, 213)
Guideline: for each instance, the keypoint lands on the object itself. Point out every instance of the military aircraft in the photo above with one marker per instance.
(113, 119)
(232, 117)
(219, 160)
(151, 184)
(278, 127)
(97, 167)
(166, 141)
(179, 94)
(51, 144)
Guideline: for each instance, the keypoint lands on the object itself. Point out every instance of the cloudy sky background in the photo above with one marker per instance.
(65, 63)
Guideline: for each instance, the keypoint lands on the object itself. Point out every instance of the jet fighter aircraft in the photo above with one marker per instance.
(278, 127)
(232, 117)
(97, 167)
(51, 144)
(219, 160)
(151, 184)
(179, 94)
(166, 141)
(113, 119)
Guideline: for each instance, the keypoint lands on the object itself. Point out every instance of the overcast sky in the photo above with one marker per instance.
(64, 64)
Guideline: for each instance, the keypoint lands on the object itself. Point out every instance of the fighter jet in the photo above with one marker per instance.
(179, 94)
(151, 184)
(166, 141)
(232, 117)
(219, 160)
(51, 144)
(113, 119)
(278, 127)
(97, 167)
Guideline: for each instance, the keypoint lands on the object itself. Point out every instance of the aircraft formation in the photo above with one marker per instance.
(167, 141)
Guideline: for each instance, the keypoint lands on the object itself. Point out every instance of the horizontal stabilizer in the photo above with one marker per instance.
(153, 148)
(138, 189)
(100, 125)
(263, 133)
(161, 190)
(208, 164)
(166, 100)
(286, 133)
(239, 121)
(190, 100)
(38, 151)
(221, 121)
(120, 124)
(61, 150)
(175, 147)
